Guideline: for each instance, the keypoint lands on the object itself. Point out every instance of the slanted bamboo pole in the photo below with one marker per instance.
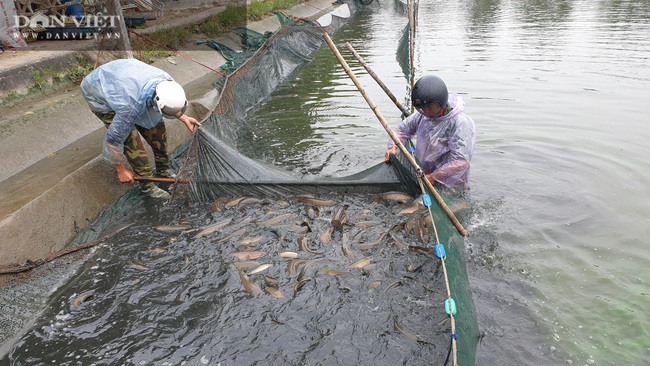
(394, 137)
(412, 8)
(160, 179)
(374, 76)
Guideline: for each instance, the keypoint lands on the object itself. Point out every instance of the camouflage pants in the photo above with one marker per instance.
(134, 150)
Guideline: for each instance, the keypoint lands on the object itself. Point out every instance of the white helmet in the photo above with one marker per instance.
(170, 98)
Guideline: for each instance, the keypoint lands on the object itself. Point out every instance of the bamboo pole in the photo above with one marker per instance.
(374, 76)
(412, 27)
(394, 137)
(160, 179)
(124, 33)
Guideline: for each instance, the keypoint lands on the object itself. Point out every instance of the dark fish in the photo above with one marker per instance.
(339, 218)
(260, 268)
(410, 223)
(422, 250)
(399, 197)
(401, 244)
(332, 272)
(291, 255)
(367, 224)
(367, 246)
(392, 285)
(219, 204)
(326, 236)
(421, 231)
(300, 284)
(275, 292)
(138, 265)
(82, 298)
(361, 263)
(303, 244)
(294, 266)
(276, 220)
(181, 294)
(345, 247)
(248, 256)
(317, 201)
(281, 233)
(299, 229)
(172, 228)
(311, 212)
(212, 228)
(233, 235)
(414, 337)
(249, 286)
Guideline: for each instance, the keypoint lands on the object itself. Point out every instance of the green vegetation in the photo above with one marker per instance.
(232, 16)
(40, 80)
(48, 80)
(77, 72)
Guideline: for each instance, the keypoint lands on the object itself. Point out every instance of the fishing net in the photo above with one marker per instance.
(250, 40)
(216, 169)
(286, 19)
(213, 167)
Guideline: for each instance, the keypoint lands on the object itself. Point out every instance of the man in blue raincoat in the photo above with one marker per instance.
(131, 98)
(445, 134)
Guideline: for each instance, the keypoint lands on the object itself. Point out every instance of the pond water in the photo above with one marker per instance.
(556, 257)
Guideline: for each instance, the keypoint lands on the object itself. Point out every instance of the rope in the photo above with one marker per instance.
(99, 52)
(451, 342)
(177, 52)
(448, 304)
(15, 268)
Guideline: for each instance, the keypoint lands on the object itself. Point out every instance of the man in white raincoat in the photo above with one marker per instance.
(130, 96)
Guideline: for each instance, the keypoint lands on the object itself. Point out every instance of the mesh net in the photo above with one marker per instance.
(213, 167)
(250, 40)
(216, 169)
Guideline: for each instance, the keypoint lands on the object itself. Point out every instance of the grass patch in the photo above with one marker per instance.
(166, 41)
(49, 80)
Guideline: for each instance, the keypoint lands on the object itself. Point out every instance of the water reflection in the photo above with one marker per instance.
(624, 12)
(542, 14)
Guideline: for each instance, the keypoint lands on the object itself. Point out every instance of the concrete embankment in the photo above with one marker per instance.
(53, 183)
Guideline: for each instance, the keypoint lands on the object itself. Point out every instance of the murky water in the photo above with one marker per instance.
(559, 91)
(557, 255)
(179, 286)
